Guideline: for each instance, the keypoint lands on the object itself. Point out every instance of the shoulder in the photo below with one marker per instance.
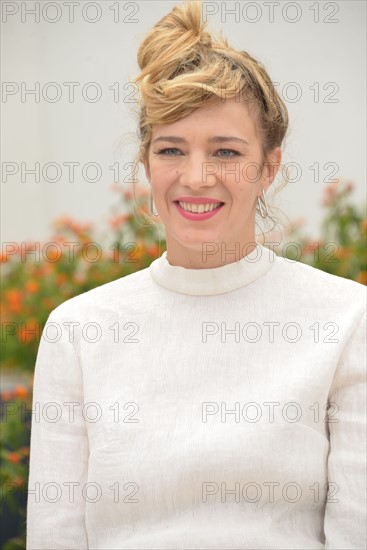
(308, 284)
(108, 298)
(301, 273)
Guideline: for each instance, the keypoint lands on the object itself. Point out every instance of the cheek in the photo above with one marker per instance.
(161, 176)
(251, 174)
(156, 173)
(243, 189)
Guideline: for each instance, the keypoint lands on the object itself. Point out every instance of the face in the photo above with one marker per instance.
(212, 156)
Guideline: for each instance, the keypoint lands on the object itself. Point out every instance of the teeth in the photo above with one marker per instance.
(198, 208)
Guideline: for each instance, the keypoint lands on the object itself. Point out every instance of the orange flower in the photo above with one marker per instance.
(362, 277)
(3, 258)
(37, 271)
(59, 239)
(53, 255)
(29, 330)
(79, 228)
(310, 248)
(13, 295)
(23, 451)
(137, 253)
(87, 227)
(128, 194)
(342, 253)
(13, 457)
(145, 209)
(330, 193)
(299, 222)
(153, 250)
(143, 192)
(116, 187)
(32, 286)
(364, 225)
(349, 186)
(117, 221)
(47, 269)
(21, 391)
(63, 221)
(80, 278)
(6, 395)
(14, 298)
(18, 481)
(48, 303)
(61, 278)
(96, 276)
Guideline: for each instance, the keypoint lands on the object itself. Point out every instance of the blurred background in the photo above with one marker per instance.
(69, 129)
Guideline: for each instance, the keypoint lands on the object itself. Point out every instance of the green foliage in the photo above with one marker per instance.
(341, 248)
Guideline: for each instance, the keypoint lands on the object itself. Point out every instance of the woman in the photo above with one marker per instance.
(215, 399)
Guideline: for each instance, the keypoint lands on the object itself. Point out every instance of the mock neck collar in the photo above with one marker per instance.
(217, 280)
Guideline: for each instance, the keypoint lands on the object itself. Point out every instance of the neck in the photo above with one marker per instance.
(217, 280)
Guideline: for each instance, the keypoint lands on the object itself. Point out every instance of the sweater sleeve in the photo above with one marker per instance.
(59, 445)
(345, 511)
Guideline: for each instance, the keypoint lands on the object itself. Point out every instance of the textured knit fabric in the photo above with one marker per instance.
(219, 408)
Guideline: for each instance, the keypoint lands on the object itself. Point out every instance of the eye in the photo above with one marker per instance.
(166, 151)
(231, 151)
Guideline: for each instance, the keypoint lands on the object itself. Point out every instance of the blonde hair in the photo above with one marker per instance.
(183, 67)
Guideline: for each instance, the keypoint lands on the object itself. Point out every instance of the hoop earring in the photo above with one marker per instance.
(152, 205)
(262, 203)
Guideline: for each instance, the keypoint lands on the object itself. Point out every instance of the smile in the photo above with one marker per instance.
(198, 212)
(198, 208)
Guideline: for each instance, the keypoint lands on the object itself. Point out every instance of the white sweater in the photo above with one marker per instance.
(187, 409)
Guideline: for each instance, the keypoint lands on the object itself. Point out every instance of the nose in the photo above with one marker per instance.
(198, 172)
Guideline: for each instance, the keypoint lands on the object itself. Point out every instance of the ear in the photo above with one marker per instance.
(271, 167)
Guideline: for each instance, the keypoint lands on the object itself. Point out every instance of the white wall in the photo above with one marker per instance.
(305, 52)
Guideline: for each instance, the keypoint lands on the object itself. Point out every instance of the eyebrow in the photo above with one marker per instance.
(216, 139)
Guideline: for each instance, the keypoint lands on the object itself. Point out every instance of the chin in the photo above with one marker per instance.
(196, 244)
(193, 239)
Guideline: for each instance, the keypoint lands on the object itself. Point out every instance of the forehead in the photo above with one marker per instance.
(230, 116)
